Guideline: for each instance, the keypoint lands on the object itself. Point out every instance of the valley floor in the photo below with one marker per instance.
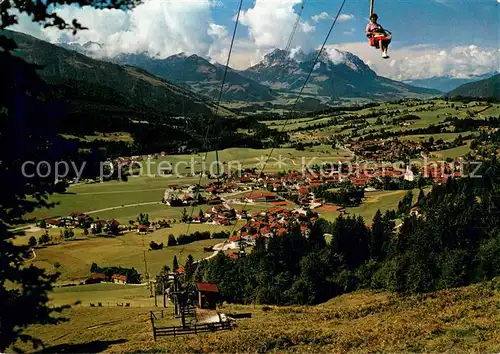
(457, 320)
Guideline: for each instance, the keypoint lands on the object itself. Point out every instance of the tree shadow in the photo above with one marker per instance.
(95, 346)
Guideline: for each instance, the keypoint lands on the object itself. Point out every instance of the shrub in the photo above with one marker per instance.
(155, 246)
(171, 240)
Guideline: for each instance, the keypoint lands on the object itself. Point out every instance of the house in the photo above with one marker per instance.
(408, 176)
(142, 229)
(259, 197)
(415, 211)
(119, 279)
(77, 215)
(172, 197)
(95, 278)
(215, 200)
(208, 295)
(101, 223)
(53, 223)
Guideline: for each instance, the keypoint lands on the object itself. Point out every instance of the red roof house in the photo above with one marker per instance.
(208, 294)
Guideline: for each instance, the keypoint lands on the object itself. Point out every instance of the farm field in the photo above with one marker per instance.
(428, 113)
(456, 320)
(383, 200)
(96, 196)
(451, 153)
(143, 189)
(106, 293)
(74, 258)
(444, 136)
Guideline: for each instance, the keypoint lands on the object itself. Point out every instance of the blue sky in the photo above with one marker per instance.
(443, 22)
(430, 37)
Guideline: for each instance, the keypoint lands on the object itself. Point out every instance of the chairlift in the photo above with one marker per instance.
(381, 35)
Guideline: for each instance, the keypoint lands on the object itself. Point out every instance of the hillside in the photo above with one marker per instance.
(456, 320)
(200, 75)
(337, 74)
(488, 88)
(103, 88)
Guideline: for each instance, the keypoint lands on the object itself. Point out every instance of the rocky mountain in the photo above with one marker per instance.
(488, 88)
(337, 74)
(200, 75)
(447, 83)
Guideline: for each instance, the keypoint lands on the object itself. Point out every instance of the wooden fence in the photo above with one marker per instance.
(191, 329)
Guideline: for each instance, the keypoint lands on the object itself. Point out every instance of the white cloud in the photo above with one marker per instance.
(157, 27)
(217, 31)
(320, 17)
(270, 23)
(295, 51)
(424, 61)
(325, 16)
(345, 17)
(335, 55)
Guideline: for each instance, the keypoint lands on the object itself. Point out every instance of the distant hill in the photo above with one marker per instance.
(88, 82)
(99, 96)
(447, 83)
(337, 74)
(488, 88)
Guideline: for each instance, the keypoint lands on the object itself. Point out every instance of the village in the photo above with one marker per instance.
(290, 197)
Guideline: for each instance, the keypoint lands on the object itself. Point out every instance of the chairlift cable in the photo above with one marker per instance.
(287, 47)
(197, 195)
(300, 93)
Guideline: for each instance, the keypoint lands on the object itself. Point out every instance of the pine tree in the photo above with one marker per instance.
(421, 196)
(43, 224)
(189, 267)
(94, 268)
(32, 241)
(184, 216)
(42, 240)
(175, 264)
(378, 242)
(172, 241)
(28, 115)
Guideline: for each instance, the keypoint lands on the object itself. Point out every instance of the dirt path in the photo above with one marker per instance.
(123, 191)
(29, 226)
(120, 207)
(34, 256)
(217, 248)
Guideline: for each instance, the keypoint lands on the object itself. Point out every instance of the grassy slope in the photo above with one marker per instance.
(108, 294)
(456, 320)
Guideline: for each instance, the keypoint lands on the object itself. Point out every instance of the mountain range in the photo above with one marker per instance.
(87, 82)
(337, 74)
(200, 75)
(447, 83)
